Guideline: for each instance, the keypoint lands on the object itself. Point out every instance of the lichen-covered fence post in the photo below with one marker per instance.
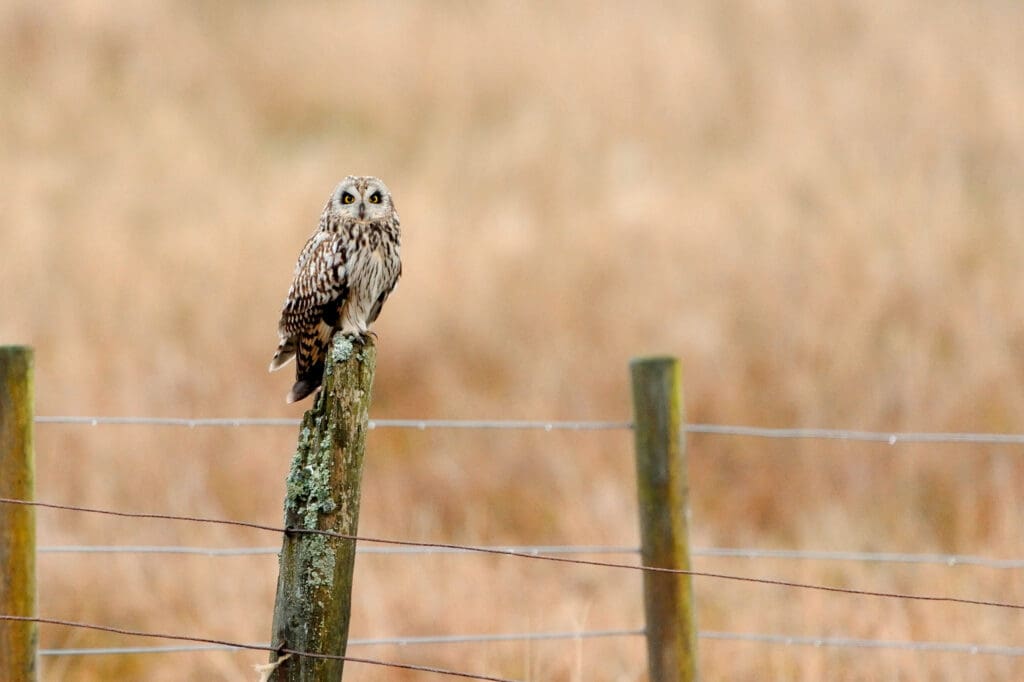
(17, 522)
(314, 586)
(664, 517)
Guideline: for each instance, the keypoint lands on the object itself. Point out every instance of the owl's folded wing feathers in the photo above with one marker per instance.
(320, 280)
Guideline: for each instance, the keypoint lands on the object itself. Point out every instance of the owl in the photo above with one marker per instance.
(344, 274)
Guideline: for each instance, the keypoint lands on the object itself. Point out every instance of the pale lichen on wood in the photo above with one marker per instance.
(322, 493)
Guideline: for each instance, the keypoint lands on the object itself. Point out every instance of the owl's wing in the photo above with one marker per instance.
(321, 279)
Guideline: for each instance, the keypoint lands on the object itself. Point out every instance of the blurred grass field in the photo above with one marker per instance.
(817, 206)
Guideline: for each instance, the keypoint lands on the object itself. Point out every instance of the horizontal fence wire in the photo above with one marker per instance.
(385, 641)
(760, 638)
(853, 643)
(751, 637)
(864, 557)
(281, 650)
(950, 560)
(892, 438)
(169, 421)
(420, 424)
(496, 552)
(255, 551)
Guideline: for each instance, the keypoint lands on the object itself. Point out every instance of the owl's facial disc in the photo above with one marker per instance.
(363, 198)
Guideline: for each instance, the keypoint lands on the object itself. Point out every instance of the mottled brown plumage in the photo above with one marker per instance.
(344, 274)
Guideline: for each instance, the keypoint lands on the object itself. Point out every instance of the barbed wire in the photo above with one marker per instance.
(853, 643)
(866, 557)
(256, 551)
(889, 437)
(559, 559)
(386, 641)
(254, 647)
(169, 421)
(159, 549)
(790, 640)
(510, 424)
(419, 424)
(539, 552)
(950, 560)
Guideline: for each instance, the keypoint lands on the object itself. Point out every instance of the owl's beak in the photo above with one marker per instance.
(362, 211)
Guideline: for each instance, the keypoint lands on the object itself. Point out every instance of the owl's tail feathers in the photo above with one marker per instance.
(309, 364)
(285, 352)
(305, 385)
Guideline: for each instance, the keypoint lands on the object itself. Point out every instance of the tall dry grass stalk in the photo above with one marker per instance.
(817, 206)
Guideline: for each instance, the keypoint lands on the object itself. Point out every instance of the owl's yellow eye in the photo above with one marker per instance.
(347, 198)
(375, 198)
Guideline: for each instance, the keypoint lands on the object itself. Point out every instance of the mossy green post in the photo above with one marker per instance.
(17, 522)
(664, 516)
(314, 586)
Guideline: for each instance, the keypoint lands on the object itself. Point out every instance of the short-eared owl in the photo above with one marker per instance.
(344, 274)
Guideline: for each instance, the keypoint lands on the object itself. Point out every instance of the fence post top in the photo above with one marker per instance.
(654, 360)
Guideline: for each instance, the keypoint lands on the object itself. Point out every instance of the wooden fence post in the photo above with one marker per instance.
(664, 514)
(17, 522)
(314, 585)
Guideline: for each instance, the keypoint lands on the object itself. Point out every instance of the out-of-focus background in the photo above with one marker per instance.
(818, 206)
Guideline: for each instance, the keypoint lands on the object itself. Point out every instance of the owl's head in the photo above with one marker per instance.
(362, 198)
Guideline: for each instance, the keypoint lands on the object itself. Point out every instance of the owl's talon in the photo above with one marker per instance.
(363, 338)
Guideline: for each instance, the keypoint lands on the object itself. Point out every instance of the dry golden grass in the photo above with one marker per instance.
(817, 206)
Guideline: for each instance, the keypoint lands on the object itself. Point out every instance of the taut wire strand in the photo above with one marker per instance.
(420, 424)
(384, 641)
(254, 647)
(950, 560)
(257, 551)
(890, 437)
(763, 638)
(853, 643)
(562, 559)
